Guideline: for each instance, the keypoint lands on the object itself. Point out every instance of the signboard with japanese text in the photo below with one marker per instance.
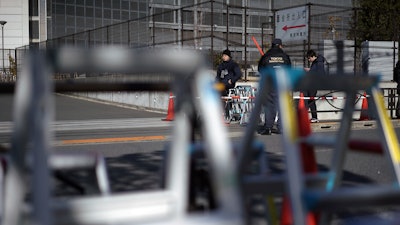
(292, 24)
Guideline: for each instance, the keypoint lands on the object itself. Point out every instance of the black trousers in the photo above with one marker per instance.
(398, 102)
(271, 110)
(311, 103)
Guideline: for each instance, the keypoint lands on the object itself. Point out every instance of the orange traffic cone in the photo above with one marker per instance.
(364, 108)
(170, 113)
(308, 160)
(301, 101)
(304, 126)
(286, 216)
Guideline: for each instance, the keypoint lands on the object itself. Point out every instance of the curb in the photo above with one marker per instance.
(334, 125)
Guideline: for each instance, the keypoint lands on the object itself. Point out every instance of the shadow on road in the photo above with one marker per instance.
(143, 171)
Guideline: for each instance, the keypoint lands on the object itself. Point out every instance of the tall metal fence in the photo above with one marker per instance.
(211, 26)
(218, 26)
(8, 63)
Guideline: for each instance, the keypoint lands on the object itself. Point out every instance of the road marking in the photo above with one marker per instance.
(112, 140)
(97, 124)
(125, 139)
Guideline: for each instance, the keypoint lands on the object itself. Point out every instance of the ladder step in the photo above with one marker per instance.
(272, 184)
(151, 207)
(354, 144)
(351, 198)
(117, 209)
(319, 140)
(340, 83)
(73, 161)
(366, 146)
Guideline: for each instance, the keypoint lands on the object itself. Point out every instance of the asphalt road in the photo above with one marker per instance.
(133, 141)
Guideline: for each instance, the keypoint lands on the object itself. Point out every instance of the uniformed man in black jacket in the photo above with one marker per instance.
(273, 58)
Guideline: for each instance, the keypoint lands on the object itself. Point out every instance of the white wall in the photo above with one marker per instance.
(329, 51)
(16, 31)
(380, 58)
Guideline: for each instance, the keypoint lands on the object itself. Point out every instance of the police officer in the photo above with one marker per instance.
(273, 58)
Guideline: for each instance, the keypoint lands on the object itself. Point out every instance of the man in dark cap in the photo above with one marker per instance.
(228, 72)
(273, 58)
(277, 41)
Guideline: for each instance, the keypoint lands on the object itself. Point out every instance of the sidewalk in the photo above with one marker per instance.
(334, 125)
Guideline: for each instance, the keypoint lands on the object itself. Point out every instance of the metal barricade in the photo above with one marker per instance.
(239, 103)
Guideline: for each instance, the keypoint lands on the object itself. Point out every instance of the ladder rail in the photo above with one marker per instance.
(391, 143)
(220, 149)
(295, 183)
(340, 147)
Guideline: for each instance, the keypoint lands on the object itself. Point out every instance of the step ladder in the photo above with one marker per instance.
(191, 83)
(320, 192)
(334, 197)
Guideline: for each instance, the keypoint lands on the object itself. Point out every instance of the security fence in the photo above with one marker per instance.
(212, 26)
(8, 71)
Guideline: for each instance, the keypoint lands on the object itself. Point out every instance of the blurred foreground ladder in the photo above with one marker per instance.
(320, 192)
(168, 206)
(334, 197)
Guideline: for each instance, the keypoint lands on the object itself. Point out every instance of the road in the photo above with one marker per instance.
(133, 141)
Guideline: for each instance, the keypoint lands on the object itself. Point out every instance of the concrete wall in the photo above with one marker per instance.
(153, 101)
(158, 101)
(328, 49)
(382, 57)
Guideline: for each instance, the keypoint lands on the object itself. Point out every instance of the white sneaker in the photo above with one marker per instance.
(314, 120)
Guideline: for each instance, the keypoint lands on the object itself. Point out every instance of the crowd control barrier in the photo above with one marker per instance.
(239, 103)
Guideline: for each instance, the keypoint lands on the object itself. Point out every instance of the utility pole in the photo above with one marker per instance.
(2, 23)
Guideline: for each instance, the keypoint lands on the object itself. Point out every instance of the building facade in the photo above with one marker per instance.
(239, 25)
(14, 17)
(16, 30)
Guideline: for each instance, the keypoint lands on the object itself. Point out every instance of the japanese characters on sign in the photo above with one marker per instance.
(292, 24)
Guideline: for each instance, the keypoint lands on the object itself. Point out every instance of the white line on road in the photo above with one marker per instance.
(71, 125)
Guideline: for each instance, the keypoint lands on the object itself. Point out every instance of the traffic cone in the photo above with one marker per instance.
(301, 101)
(170, 113)
(286, 216)
(304, 127)
(364, 108)
(308, 160)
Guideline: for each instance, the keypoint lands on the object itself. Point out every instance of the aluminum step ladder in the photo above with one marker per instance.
(321, 191)
(167, 206)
